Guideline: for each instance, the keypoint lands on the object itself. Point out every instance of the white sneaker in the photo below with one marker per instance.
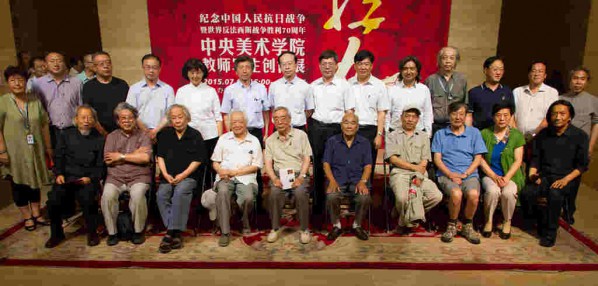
(272, 236)
(305, 237)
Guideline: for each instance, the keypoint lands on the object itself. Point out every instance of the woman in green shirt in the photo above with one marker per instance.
(502, 166)
(24, 145)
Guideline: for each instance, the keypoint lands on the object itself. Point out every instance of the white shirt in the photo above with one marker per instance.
(252, 100)
(370, 97)
(204, 105)
(296, 95)
(233, 154)
(530, 109)
(30, 81)
(331, 100)
(415, 96)
(151, 102)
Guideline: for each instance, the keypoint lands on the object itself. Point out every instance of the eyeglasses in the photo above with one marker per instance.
(106, 63)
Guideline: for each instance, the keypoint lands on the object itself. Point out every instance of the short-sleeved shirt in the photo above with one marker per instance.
(128, 173)
(481, 101)
(252, 100)
(586, 110)
(83, 77)
(458, 151)
(233, 154)
(289, 153)
(104, 98)
(347, 163)
(415, 96)
(151, 102)
(295, 95)
(555, 155)
(177, 153)
(331, 100)
(530, 109)
(445, 92)
(370, 97)
(59, 99)
(204, 105)
(413, 149)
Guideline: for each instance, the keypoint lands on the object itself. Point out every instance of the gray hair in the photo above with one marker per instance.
(230, 117)
(182, 107)
(94, 114)
(282, 108)
(441, 53)
(351, 113)
(125, 106)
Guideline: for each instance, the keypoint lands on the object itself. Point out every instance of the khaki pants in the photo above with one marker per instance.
(276, 202)
(493, 193)
(245, 196)
(137, 205)
(400, 187)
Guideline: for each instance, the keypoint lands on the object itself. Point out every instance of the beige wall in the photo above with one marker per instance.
(590, 59)
(7, 41)
(125, 35)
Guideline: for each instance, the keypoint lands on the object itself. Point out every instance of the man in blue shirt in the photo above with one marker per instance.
(458, 152)
(348, 165)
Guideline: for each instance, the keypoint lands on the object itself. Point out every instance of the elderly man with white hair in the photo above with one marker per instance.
(180, 153)
(237, 158)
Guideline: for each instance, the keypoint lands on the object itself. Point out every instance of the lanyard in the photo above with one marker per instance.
(24, 113)
(448, 92)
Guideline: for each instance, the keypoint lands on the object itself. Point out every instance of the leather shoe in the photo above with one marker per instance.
(138, 238)
(486, 234)
(93, 239)
(54, 241)
(547, 242)
(360, 233)
(334, 233)
(112, 240)
(504, 235)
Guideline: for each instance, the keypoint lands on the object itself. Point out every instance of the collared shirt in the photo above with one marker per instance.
(233, 154)
(445, 92)
(128, 173)
(296, 95)
(555, 155)
(30, 83)
(531, 108)
(458, 151)
(83, 77)
(59, 99)
(77, 155)
(411, 148)
(104, 98)
(151, 102)
(481, 101)
(204, 105)
(253, 100)
(370, 97)
(418, 96)
(331, 100)
(179, 153)
(289, 153)
(586, 110)
(347, 163)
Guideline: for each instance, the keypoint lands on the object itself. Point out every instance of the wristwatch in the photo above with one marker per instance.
(304, 176)
(122, 156)
(380, 133)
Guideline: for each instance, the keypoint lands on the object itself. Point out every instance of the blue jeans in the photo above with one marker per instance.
(174, 202)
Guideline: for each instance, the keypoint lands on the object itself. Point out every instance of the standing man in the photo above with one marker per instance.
(60, 93)
(371, 100)
(332, 99)
(88, 71)
(483, 97)
(532, 101)
(291, 91)
(151, 97)
(458, 153)
(38, 64)
(446, 86)
(104, 92)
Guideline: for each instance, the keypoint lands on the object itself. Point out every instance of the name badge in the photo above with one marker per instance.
(30, 139)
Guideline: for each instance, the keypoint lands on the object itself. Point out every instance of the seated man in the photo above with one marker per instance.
(408, 152)
(560, 156)
(237, 157)
(347, 165)
(127, 153)
(180, 153)
(288, 151)
(458, 152)
(79, 166)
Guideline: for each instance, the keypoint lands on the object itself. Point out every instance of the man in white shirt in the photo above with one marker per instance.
(332, 99)
(371, 100)
(291, 92)
(39, 70)
(237, 159)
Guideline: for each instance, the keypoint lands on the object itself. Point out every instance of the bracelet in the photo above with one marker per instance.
(363, 181)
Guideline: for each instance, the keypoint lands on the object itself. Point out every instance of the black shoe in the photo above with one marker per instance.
(138, 238)
(54, 241)
(504, 235)
(360, 233)
(112, 240)
(177, 242)
(334, 234)
(547, 242)
(486, 234)
(93, 239)
(165, 245)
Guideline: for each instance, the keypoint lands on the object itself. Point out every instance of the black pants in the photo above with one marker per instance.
(69, 206)
(87, 197)
(209, 144)
(318, 134)
(548, 212)
(22, 195)
(258, 133)
(370, 132)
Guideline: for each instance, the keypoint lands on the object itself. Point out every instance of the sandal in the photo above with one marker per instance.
(165, 245)
(37, 221)
(29, 227)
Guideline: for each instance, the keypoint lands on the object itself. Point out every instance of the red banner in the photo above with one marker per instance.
(219, 31)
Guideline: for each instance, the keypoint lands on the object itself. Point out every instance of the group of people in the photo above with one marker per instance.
(106, 137)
